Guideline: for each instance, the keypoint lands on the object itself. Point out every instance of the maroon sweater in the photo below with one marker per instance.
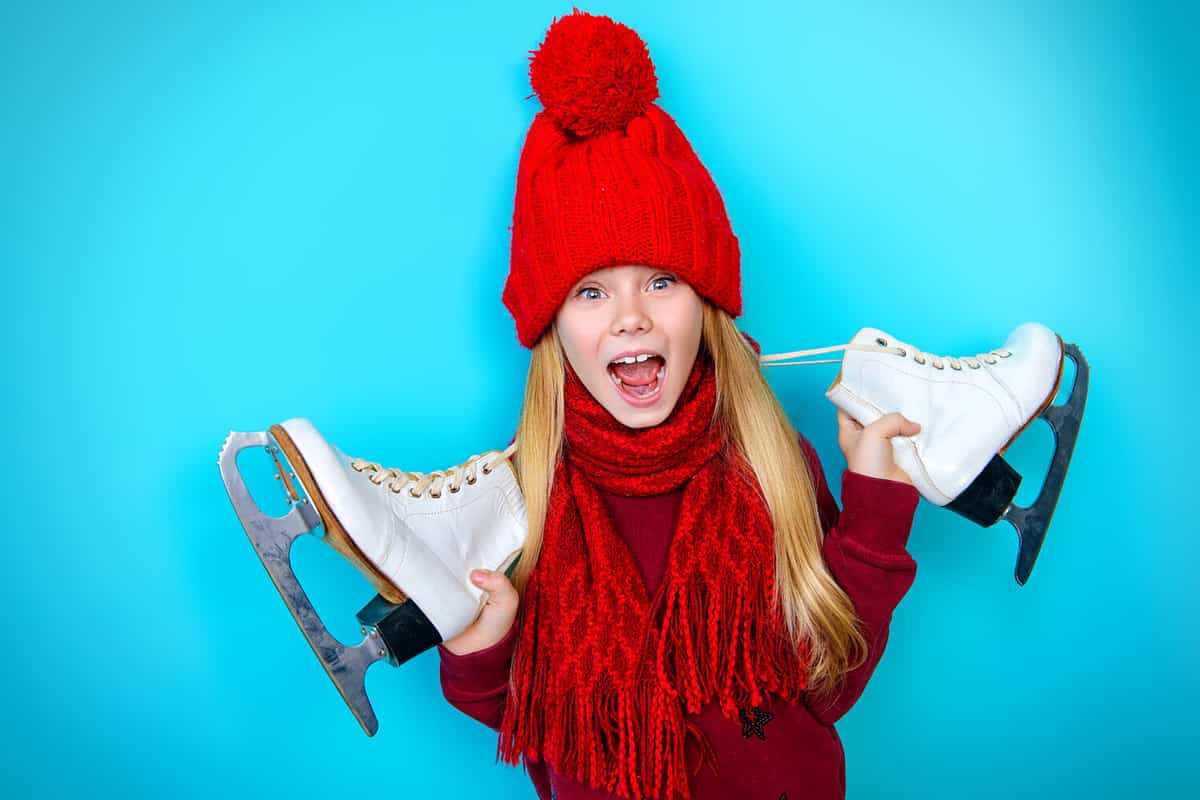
(777, 749)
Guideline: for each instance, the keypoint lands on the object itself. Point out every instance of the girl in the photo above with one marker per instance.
(691, 612)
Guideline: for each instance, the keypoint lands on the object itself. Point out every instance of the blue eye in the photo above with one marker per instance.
(580, 293)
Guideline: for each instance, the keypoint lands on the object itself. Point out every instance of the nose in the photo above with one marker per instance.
(631, 317)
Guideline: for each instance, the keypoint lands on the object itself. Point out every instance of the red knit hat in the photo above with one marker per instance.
(607, 178)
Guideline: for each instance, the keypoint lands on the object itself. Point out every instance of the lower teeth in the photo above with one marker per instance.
(643, 391)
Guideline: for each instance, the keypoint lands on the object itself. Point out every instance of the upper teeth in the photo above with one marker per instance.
(632, 359)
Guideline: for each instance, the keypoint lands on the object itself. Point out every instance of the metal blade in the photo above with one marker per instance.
(272, 538)
(1032, 521)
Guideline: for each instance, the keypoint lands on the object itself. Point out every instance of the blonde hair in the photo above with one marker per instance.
(815, 609)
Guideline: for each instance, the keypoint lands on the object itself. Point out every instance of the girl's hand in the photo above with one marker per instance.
(868, 450)
(494, 620)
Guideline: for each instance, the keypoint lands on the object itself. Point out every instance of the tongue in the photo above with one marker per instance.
(638, 374)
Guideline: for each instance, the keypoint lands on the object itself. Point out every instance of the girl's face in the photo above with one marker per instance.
(631, 310)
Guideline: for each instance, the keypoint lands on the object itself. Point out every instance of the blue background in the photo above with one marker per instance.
(222, 215)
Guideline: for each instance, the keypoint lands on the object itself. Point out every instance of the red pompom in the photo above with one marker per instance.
(592, 74)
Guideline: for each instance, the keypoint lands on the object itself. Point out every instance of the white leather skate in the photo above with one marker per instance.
(970, 409)
(415, 536)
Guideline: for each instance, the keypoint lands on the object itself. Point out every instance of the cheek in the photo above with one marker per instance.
(688, 340)
(570, 335)
(685, 317)
(685, 327)
(580, 349)
(576, 329)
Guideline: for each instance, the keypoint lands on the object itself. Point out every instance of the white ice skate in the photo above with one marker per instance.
(970, 410)
(415, 536)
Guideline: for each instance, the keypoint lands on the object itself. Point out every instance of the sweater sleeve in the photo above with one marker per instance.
(477, 683)
(864, 548)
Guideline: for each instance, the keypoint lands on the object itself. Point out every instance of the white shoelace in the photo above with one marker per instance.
(433, 481)
(881, 346)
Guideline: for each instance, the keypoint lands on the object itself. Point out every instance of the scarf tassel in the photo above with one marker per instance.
(707, 753)
(731, 634)
(623, 742)
(631, 742)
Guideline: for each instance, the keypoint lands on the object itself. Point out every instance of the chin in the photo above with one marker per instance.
(640, 418)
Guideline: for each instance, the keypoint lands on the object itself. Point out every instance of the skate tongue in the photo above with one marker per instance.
(638, 374)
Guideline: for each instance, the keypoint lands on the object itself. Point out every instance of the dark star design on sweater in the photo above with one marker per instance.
(753, 726)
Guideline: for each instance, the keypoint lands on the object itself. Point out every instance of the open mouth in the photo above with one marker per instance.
(639, 378)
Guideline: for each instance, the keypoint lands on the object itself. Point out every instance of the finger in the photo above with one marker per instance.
(847, 421)
(849, 430)
(893, 424)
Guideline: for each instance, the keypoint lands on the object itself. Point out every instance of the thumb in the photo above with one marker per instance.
(496, 616)
(847, 422)
(894, 424)
(500, 590)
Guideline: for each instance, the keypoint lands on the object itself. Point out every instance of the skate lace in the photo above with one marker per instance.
(881, 346)
(432, 481)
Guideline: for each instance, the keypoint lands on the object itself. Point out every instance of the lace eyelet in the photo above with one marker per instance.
(1005, 354)
(472, 481)
(412, 493)
(903, 353)
(959, 367)
(974, 366)
(435, 496)
(371, 478)
(879, 340)
(939, 366)
(919, 359)
(486, 471)
(454, 490)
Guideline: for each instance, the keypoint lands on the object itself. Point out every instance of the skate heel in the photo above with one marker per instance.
(402, 628)
(989, 495)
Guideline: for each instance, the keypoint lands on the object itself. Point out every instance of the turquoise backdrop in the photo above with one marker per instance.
(221, 215)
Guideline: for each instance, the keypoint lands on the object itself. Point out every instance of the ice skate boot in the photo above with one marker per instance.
(415, 536)
(970, 410)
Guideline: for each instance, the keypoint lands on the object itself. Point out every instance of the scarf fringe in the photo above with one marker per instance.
(626, 742)
(747, 655)
(629, 741)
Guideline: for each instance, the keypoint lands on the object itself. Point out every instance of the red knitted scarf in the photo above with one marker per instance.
(602, 673)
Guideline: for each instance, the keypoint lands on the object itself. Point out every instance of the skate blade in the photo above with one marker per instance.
(272, 539)
(1031, 522)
